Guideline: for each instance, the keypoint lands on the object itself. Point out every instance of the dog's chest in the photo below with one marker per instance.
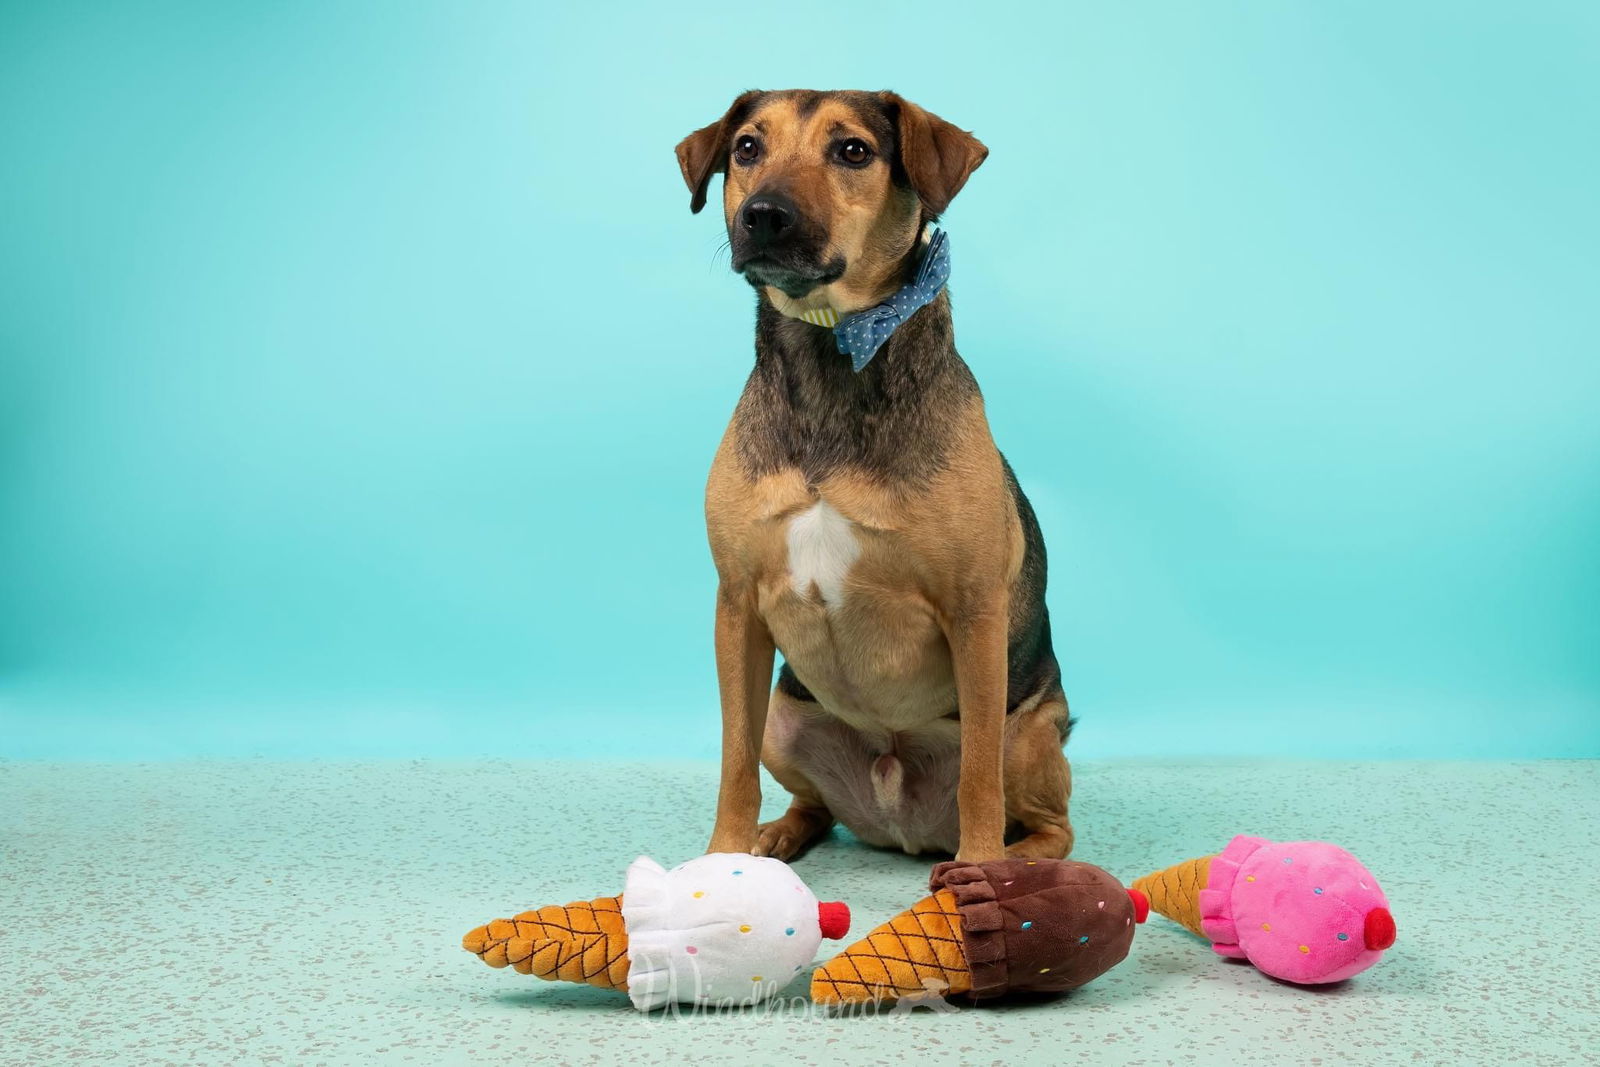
(840, 573)
(820, 548)
(843, 601)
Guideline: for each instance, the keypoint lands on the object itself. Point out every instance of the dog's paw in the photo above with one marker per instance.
(776, 840)
(1045, 843)
(785, 838)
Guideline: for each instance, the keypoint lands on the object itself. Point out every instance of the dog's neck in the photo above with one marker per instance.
(804, 407)
(850, 295)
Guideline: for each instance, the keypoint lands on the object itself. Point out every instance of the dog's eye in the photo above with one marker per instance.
(746, 149)
(855, 152)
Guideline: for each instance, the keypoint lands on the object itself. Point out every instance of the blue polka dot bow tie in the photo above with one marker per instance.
(859, 336)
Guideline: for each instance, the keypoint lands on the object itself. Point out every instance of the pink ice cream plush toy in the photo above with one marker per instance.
(1303, 911)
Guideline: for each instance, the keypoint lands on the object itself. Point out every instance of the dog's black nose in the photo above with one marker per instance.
(767, 218)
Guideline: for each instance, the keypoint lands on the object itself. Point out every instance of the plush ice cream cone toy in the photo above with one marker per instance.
(987, 929)
(723, 929)
(1303, 911)
(586, 941)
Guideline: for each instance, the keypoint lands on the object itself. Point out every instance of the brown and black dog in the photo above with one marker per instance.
(865, 523)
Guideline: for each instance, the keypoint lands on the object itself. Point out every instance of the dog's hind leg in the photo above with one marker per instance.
(1038, 781)
(808, 817)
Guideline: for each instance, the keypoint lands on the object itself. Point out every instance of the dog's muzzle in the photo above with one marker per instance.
(773, 244)
(767, 218)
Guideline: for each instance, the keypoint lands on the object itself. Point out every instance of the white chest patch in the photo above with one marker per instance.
(822, 548)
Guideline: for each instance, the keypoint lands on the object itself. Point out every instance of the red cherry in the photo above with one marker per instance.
(1379, 929)
(1141, 905)
(834, 918)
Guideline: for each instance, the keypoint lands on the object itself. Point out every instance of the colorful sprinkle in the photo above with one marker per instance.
(1318, 891)
(738, 872)
(698, 893)
(1033, 863)
(745, 928)
(789, 931)
(1028, 925)
(1288, 859)
(1344, 937)
(1044, 970)
(1267, 927)
(1101, 903)
(1305, 948)
(1008, 883)
(1084, 940)
(690, 949)
(1249, 877)
(755, 978)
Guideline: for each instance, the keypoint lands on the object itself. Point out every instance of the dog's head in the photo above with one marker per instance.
(826, 192)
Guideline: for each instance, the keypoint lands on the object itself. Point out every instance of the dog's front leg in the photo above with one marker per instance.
(744, 677)
(978, 640)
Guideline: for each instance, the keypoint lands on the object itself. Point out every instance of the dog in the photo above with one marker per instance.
(862, 521)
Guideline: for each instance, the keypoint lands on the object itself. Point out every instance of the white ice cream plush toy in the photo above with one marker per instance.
(722, 929)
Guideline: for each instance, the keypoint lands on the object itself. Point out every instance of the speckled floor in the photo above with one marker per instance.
(308, 913)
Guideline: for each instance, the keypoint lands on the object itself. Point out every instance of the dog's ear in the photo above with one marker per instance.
(705, 151)
(937, 157)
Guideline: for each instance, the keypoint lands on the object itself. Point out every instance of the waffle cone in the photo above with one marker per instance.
(919, 951)
(1175, 891)
(583, 942)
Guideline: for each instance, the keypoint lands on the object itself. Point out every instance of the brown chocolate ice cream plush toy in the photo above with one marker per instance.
(988, 929)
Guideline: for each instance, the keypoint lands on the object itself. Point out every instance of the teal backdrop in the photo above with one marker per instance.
(361, 365)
